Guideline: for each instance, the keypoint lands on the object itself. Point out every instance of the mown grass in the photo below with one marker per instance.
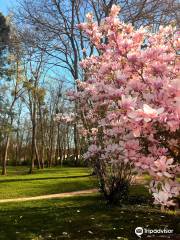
(18, 183)
(79, 218)
(75, 218)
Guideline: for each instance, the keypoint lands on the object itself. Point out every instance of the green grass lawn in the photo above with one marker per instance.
(75, 218)
(79, 218)
(18, 183)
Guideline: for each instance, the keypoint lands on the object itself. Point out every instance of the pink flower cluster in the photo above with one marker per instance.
(131, 100)
(65, 117)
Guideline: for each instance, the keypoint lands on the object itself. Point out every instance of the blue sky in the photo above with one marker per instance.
(5, 4)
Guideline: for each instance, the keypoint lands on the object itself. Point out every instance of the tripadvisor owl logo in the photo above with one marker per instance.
(139, 231)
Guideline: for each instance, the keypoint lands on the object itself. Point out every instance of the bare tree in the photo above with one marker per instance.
(16, 88)
(34, 67)
(51, 26)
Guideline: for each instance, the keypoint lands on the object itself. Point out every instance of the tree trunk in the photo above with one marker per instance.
(37, 155)
(5, 156)
(42, 157)
(33, 148)
(75, 145)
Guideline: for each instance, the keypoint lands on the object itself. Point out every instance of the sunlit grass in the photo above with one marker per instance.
(18, 183)
(76, 218)
(79, 218)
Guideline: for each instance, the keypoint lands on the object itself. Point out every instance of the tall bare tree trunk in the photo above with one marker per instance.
(42, 156)
(37, 155)
(7, 143)
(76, 155)
(5, 156)
(32, 149)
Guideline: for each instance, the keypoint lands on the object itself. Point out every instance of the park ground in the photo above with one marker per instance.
(76, 217)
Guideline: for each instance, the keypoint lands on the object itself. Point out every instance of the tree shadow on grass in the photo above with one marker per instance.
(42, 178)
(82, 218)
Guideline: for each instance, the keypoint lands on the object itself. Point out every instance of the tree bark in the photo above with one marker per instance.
(5, 156)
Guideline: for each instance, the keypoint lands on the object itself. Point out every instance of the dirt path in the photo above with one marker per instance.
(50, 196)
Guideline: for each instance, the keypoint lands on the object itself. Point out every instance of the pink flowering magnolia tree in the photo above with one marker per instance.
(65, 118)
(130, 105)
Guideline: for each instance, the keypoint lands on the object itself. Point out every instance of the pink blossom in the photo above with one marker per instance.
(114, 10)
(147, 113)
(131, 100)
(127, 102)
